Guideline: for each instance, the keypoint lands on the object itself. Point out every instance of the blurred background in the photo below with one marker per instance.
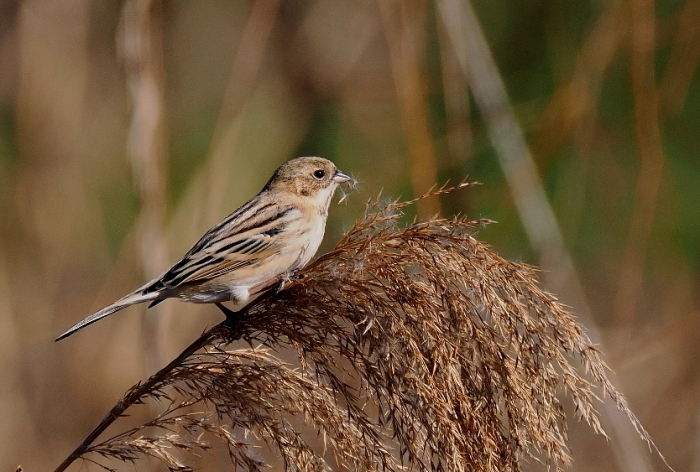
(128, 128)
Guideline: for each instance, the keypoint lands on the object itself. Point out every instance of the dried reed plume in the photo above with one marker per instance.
(419, 348)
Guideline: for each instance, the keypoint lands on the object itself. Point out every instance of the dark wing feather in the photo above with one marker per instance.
(240, 240)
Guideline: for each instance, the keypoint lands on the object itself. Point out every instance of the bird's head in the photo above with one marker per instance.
(312, 177)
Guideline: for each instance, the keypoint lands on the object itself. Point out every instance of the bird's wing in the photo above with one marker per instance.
(245, 238)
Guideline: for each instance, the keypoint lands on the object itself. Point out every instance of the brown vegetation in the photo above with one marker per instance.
(418, 348)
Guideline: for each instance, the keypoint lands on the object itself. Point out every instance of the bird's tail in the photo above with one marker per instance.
(137, 296)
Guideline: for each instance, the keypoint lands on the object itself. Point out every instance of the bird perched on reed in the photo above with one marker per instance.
(271, 236)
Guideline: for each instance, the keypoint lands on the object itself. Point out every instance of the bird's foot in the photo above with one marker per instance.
(286, 279)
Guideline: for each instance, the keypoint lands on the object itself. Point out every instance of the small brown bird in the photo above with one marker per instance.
(273, 235)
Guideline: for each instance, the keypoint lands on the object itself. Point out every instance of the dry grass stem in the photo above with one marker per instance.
(419, 348)
(141, 45)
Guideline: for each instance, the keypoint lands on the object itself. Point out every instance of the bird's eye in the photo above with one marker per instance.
(319, 173)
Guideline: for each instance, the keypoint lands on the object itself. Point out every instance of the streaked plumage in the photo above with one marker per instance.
(275, 233)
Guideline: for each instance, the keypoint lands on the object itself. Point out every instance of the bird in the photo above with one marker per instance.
(262, 243)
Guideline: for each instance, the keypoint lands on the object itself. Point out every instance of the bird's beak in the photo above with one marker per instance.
(341, 177)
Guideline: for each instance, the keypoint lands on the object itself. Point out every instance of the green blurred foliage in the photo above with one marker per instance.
(326, 85)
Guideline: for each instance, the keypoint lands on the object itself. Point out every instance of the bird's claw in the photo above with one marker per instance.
(286, 279)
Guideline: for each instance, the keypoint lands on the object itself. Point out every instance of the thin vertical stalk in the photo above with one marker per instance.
(142, 47)
(404, 27)
(244, 72)
(651, 162)
(457, 104)
(683, 60)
